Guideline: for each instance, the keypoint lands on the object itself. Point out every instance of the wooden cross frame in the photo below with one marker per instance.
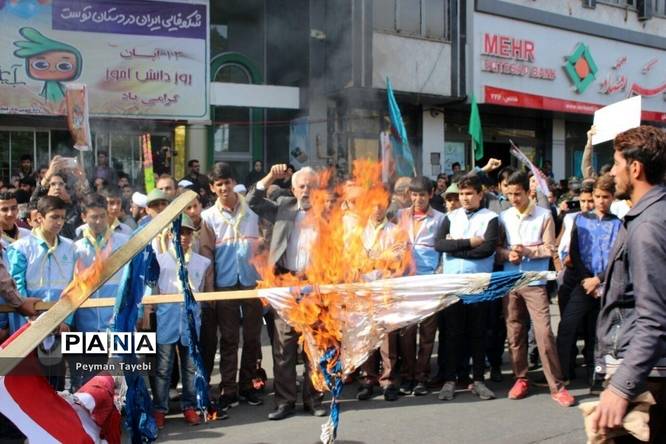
(40, 328)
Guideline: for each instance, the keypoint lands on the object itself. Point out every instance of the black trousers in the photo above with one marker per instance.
(496, 333)
(580, 309)
(465, 321)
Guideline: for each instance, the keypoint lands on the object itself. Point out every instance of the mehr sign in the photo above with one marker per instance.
(505, 54)
(521, 64)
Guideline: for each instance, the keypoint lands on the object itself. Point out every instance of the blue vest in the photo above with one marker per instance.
(595, 240)
(171, 318)
(422, 239)
(235, 244)
(99, 318)
(39, 273)
(465, 226)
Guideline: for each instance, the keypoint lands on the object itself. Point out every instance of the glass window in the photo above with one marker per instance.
(435, 19)
(384, 14)
(122, 152)
(23, 142)
(233, 135)
(232, 73)
(4, 156)
(43, 157)
(62, 144)
(423, 18)
(409, 17)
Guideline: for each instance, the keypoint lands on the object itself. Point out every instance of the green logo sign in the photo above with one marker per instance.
(580, 67)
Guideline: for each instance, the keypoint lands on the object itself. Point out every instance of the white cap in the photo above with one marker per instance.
(185, 183)
(140, 200)
(240, 188)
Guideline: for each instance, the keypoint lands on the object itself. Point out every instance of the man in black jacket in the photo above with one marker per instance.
(631, 329)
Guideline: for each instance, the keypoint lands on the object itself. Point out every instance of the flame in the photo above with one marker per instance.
(86, 278)
(338, 256)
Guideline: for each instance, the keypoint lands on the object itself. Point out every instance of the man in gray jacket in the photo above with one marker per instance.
(631, 329)
(289, 252)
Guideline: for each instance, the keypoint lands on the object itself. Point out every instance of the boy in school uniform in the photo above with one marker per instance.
(96, 237)
(467, 238)
(384, 243)
(172, 330)
(528, 245)
(42, 265)
(421, 222)
(236, 229)
(10, 233)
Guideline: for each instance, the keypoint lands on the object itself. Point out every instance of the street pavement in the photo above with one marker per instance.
(415, 420)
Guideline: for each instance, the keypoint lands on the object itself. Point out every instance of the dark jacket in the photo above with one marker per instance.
(632, 322)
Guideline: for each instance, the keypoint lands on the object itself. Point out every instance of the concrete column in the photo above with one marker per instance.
(433, 142)
(559, 154)
(197, 146)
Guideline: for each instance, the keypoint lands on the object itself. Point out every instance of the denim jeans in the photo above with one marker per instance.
(165, 360)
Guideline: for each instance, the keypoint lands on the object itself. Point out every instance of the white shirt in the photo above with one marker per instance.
(299, 245)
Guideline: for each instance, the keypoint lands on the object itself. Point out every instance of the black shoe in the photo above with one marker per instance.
(281, 412)
(496, 374)
(406, 388)
(391, 393)
(317, 410)
(216, 413)
(420, 389)
(365, 392)
(226, 402)
(251, 397)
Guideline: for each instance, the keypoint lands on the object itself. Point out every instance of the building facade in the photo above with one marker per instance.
(304, 81)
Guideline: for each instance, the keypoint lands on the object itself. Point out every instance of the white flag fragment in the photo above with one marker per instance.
(372, 310)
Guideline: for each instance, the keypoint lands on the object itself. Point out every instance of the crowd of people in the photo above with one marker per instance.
(604, 235)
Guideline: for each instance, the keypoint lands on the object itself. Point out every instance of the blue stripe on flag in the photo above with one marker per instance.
(501, 283)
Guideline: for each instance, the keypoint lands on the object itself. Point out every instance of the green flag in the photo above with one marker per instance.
(475, 130)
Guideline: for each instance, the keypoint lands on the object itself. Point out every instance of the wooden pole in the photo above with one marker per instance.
(71, 300)
(153, 299)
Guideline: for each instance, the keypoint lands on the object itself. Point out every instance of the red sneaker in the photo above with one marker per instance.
(191, 417)
(160, 417)
(519, 389)
(563, 398)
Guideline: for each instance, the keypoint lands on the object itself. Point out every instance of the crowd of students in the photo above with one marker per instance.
(489, 219)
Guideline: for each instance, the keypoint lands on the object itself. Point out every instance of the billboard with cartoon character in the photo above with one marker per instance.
(142, 58)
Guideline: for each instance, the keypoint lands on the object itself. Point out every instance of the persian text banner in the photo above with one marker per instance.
(146, 59)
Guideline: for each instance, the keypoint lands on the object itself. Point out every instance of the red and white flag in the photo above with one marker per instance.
(46, 416)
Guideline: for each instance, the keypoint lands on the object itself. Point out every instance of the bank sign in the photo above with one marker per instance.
(139, 58)
(526, 65)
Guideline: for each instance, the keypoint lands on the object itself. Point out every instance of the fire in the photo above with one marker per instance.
(339, 256)
(86, 279)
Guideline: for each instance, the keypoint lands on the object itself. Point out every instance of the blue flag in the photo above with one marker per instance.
(402, 153)
(143, 271)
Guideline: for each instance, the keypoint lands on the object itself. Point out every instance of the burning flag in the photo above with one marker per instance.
(347, 299)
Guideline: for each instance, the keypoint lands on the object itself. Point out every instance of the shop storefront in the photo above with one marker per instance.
(557, 79)
(142, 76)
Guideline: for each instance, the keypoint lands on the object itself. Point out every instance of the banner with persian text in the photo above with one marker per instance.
(138, 58)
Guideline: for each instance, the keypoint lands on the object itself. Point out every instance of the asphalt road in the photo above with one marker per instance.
(416, 420)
